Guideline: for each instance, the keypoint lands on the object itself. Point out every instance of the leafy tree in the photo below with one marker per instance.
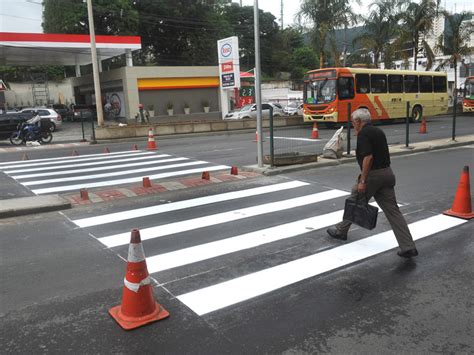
(455, 42)
(111, 17)
(380, 28)
(326, 16)
(417, 20)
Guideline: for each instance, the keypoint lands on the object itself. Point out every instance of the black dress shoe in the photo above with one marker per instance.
(336, 233)
(407, 253)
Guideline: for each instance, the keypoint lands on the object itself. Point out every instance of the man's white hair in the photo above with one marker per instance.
(361, 114)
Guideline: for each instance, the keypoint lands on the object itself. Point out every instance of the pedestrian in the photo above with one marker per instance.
(376, 180)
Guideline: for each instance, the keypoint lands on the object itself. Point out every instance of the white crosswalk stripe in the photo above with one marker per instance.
(57, 175)
(269, 223)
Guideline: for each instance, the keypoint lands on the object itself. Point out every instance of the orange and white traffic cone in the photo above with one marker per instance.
(138, 304)
(256, 137)
(146, 181)
(315, 132)
(151, 145)
(423, 126)
(462, 206)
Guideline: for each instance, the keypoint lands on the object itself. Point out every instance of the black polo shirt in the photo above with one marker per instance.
(372, 140)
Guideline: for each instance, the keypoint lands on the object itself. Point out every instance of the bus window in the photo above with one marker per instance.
(426, 83)
(411, 83)
(378, 83)
(345, 88)
(395, 83)
(363, 83)
(439, 84)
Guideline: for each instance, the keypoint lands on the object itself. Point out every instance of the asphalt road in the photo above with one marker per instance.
(270, 282)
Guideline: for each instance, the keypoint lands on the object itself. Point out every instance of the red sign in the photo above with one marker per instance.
(227, 67)
(245, 100)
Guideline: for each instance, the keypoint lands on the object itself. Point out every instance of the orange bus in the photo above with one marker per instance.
(383, 92)
(468, 101)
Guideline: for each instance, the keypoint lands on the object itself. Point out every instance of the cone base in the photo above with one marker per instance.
(129, 323)
(462, 215)
(151, 148)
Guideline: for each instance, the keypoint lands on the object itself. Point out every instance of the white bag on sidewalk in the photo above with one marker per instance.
(333, 149)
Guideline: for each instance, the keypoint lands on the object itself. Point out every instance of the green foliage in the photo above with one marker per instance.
(20, 73)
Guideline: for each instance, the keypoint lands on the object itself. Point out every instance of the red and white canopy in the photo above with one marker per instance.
(60, 49)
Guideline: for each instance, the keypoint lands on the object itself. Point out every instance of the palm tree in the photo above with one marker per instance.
(456, 43)
(417, 20)
(326, 16)
(380, 29)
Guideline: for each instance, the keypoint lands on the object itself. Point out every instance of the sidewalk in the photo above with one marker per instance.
(395, 150)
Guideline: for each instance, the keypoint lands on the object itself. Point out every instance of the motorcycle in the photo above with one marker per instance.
(29, 131)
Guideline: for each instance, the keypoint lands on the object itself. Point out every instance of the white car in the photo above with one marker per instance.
(250, 111)
(56, 119)
(293, 108)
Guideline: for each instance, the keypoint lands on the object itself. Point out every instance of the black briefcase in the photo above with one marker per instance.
(359, 212)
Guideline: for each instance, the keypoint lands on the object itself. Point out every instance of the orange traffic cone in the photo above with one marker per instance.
(151, 145)
(423, 126)
(256, 137)
(138, 304)
(146, 182)
(234, 171)
(205, 175)
(462, 207)
(315, 132)
(84, 194)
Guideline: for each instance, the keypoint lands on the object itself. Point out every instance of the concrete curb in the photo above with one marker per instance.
(397, 150)
(34, 204)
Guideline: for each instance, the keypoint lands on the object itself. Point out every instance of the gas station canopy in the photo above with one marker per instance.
(60, 49)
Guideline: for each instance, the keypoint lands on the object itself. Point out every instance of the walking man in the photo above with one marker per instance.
(376, 180)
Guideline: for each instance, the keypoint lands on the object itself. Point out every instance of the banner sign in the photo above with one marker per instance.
(229, 67)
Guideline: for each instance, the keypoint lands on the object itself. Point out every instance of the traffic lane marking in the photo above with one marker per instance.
(213, 298)
(127, 180)
(175, 206)
(224, 217)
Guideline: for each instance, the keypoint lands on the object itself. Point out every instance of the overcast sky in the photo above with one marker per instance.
(25, 15)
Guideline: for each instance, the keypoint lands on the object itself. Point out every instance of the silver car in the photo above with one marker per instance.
(293, 108)
(55, 118)
(250, 111)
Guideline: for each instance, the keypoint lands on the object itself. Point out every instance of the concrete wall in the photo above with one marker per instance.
(194, 97)
(22, 92)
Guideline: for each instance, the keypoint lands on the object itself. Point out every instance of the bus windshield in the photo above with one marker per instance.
(320, 91)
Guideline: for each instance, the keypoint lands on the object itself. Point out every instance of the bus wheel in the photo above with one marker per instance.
(416, 114)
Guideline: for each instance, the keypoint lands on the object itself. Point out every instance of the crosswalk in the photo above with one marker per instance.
(235, 244)
(59, 175)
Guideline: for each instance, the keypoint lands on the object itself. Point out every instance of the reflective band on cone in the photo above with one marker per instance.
(138, 304)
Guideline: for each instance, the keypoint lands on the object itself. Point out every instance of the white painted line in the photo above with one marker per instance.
(126, 181)
(28, 162)
(297, 139)
(73, 164)
(210, 250)
(109, 167)
(224, 217)
(180, 205)
(243, 288)
(115, 173)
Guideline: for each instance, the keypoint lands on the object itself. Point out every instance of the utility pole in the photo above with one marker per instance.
(95, 69)
(281, 14)
(258, 97)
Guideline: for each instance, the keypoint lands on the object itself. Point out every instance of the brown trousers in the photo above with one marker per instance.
(380, 185)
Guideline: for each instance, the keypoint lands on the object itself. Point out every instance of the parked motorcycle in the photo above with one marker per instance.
(33, 130)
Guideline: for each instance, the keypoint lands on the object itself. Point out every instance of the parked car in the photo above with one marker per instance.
(293, 108)
(84, 112)
(56, 119)
(250, 111)
(64, 111)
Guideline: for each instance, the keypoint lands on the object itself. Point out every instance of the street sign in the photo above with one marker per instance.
(229, 66)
